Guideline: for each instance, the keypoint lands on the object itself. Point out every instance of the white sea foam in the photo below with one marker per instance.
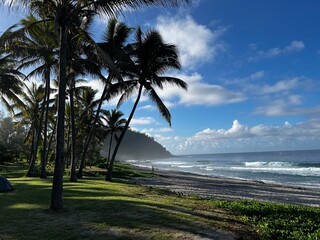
(185, 166)
(171, 163)
(268, 164)
(311, 171)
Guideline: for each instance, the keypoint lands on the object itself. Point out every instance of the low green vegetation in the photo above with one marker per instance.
(276, 220)
(95, 209)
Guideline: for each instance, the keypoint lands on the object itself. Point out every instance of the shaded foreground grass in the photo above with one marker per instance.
(96, 209)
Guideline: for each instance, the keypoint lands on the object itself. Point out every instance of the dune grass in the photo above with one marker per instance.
(96, 209)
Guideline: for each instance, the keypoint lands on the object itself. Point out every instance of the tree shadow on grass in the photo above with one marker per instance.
(99, 210)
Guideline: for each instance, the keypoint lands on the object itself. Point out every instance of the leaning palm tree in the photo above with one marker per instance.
(114, 40)
(63, 12)
(114, 122)
(152, 58)
(89, 105)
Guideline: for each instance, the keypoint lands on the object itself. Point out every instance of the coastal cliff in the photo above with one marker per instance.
(137, 145)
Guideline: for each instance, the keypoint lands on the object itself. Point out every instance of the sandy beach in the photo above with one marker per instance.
(229, 189)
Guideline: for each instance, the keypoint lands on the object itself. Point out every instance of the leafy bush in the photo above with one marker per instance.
(276, 220)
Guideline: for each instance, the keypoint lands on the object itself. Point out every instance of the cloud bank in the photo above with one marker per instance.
(240, 137)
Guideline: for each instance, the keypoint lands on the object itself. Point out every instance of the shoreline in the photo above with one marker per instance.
(223, 188)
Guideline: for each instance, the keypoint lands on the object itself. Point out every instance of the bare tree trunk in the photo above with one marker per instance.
(57, 184)
(123, 132)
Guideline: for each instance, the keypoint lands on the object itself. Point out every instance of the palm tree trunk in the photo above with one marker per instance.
(109, 152)
(44, 160)
(115, 151)
(50, 141)
(73, 175)
(57, 184)
(37, 132)
(88, 139)
(31, 152)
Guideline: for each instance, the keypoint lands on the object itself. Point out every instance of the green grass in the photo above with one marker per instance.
(277, 221)
(95, 209)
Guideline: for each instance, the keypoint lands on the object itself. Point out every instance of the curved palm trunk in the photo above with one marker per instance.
(109, 152)
(36, 143)
(73, 175)
(88, 139)
(44, 159)
(31, 151)
(115, 151)
(57, 184)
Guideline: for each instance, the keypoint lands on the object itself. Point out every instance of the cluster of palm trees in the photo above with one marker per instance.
(54, 43)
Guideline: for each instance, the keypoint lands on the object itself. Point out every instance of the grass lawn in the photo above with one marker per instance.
(96, 209)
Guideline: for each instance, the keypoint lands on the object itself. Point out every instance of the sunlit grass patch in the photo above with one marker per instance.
(277, 220)
(25, 206)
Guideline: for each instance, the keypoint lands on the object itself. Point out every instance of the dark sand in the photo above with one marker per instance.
(229, 189)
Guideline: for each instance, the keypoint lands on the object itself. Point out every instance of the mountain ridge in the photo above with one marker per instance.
(136, 145)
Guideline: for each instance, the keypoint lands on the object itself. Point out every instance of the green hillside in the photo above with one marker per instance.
(137, 145)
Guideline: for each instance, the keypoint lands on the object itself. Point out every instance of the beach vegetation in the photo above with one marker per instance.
(151, 58)
(277, 220)
(44, 36)
(109, 210)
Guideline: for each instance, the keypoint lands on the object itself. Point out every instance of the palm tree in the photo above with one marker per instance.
(35, 44)
(152, 59)
(10, 80)
(62, 12)
(89, 105)
(29, 111)
(115, 38)
(115, 123)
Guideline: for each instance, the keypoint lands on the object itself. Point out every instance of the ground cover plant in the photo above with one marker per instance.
(277, 220)
(95, 209)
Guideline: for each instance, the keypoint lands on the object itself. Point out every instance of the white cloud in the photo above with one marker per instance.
(294, 46)
(240, 137)
(143, 121)
(280, 86)
(283, 108)
(196, 43)
(147, 107)
(150, 131)
(200, 93)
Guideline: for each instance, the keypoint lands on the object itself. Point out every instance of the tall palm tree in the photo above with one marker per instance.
(35, 44)
(62, 12)
(29, 111)
(152, 58)
(89, 105)
(115, 122)
(114, 40)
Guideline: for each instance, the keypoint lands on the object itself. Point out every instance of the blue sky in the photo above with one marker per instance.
(253, 73)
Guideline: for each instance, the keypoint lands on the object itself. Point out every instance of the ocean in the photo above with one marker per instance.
(293, 168)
